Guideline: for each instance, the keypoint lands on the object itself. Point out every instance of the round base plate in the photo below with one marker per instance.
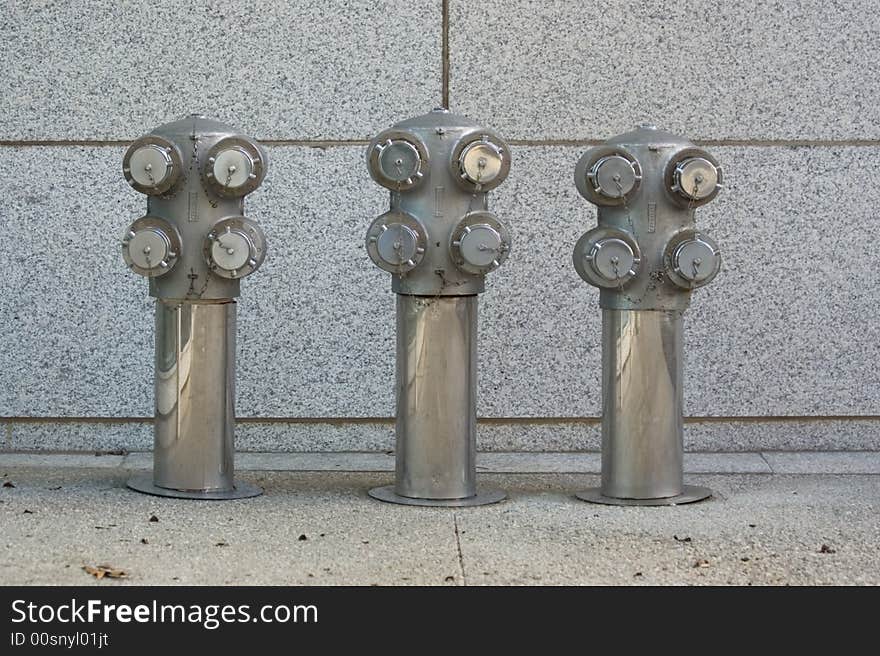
(483, 497)
(241, 491)
(690, 494)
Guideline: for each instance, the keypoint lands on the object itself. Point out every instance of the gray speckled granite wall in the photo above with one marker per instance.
(305, 69)
(784, 95)
(714, 70)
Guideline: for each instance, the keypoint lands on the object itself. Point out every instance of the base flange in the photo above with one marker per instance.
(690, 494)
(484, 497)
(240, 491)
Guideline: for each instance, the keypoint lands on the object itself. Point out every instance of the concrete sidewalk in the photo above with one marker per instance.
(777, 518)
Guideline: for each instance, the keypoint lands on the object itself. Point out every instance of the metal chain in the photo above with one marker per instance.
(632, 227)
(693, 197)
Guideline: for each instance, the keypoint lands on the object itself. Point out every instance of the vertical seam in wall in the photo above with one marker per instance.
(444, 47)
(767, 462)
(9, 435)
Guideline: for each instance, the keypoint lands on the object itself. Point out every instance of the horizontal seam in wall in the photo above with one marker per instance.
(336, 143)
(305, 143)
(485, 420)
(758, 143)
(122, 453)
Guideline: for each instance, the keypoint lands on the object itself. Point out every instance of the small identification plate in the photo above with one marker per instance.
(193, 206)
(438, 201)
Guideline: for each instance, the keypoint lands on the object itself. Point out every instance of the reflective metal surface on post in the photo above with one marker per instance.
(641, 406)
(195, 395)
(436, 396)
(436, 391)
(193, 448)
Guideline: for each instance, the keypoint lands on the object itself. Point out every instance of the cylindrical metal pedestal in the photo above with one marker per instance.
(195, 393)
(642, 437)
(436, 404)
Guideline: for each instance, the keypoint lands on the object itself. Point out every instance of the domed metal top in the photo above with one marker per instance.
(194, 124)
(438, 118)
(649, 134)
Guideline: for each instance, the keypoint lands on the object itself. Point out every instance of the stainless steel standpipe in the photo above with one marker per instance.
(438, 241)
(646, 256)
(195, 245)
